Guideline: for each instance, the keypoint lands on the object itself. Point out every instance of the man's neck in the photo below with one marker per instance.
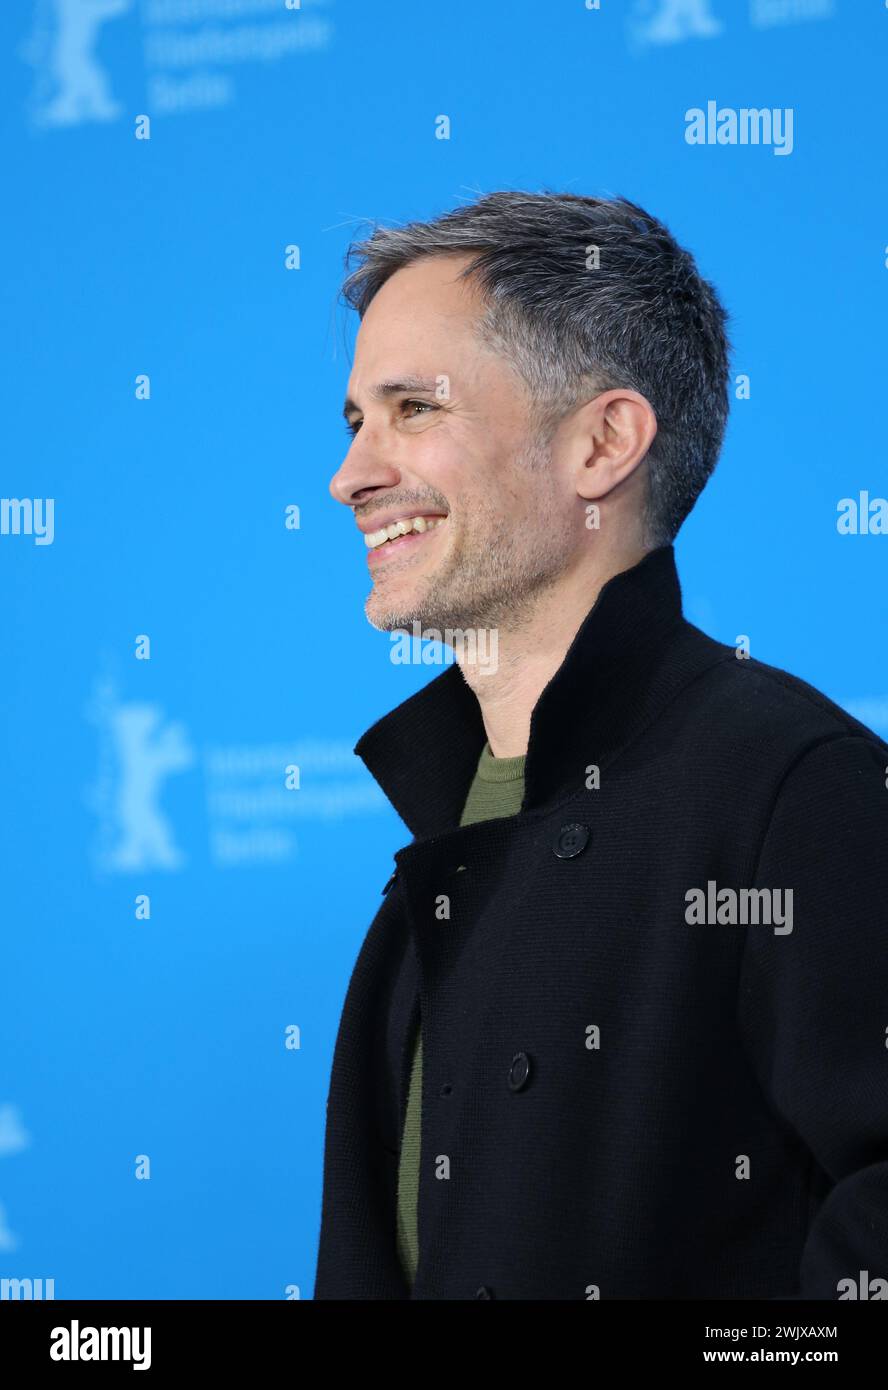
(529, 655)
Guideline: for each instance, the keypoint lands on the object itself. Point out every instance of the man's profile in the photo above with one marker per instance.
(618, 1029)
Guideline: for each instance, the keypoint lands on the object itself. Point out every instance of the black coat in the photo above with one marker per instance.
(724, 1132)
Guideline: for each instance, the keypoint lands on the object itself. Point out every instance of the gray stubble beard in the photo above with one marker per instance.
(495, 576)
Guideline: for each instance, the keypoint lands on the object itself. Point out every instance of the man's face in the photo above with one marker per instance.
(458, 446)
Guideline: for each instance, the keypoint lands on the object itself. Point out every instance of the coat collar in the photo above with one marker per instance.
(614, 676)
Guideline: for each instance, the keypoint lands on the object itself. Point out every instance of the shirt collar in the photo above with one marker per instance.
(615, 675)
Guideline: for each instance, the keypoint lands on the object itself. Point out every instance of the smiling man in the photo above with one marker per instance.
(567, 1066)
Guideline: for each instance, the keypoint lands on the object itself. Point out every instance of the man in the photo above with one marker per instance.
(618, 1029)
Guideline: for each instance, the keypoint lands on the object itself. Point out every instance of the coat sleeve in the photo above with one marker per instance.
(813, 1001)
(357, 1250)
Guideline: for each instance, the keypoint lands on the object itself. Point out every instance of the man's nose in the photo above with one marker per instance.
(363, 470)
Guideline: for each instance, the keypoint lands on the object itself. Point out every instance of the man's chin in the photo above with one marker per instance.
(391, 612)
(386, 615)
(386, 622)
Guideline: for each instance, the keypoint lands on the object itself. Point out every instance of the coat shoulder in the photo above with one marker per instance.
(756, 703)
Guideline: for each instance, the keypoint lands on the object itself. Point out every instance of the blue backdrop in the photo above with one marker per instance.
(179, 918)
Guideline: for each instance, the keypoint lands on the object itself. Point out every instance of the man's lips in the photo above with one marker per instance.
(401, 545)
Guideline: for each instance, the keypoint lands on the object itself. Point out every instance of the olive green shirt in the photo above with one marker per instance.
(497, 790)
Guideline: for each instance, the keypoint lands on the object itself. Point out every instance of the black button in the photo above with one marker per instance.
(390, 882)
(519, 1071)
(571, 840)
(483, 1293)
(446, 1089)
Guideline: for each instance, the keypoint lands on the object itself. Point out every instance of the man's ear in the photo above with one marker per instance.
(610, 437)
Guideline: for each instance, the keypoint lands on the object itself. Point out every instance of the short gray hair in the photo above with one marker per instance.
(642, 318)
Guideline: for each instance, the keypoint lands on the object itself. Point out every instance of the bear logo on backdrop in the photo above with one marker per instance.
(73, 85)
(244, 809)
(148, 752)
(179, 55)
(139, 751)
(675, 20)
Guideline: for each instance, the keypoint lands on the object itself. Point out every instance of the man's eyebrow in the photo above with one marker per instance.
(382, 389)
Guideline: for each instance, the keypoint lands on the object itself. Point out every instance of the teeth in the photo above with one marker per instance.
(404, 527)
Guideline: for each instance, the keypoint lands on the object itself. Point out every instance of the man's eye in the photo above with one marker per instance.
(352, 426)
(424, 405)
